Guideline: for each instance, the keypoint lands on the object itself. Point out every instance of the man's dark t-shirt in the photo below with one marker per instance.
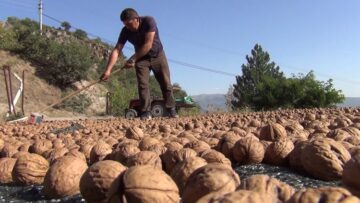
(137, 38)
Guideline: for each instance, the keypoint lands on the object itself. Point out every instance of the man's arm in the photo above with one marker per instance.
(112, 60)
(149, 38)
(114, 56)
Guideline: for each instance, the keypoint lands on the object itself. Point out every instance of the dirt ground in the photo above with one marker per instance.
(38, 93)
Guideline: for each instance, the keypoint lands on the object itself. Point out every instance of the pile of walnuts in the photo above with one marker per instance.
(188, 158)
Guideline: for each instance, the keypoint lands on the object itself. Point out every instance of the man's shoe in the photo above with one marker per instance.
(145, 116)
(172, 113)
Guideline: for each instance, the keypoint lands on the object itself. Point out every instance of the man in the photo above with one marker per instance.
(143, 33)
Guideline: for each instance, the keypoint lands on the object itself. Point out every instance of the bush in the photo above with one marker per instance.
(80, 34)
(77, 104)
(8, 40)
(66, 25)
(120, 99)
(61, 64)
(313, 93)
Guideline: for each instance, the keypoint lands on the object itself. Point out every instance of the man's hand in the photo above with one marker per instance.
(105, 76)
(130, 63)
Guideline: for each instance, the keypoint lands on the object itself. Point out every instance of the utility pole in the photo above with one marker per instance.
(40, 15)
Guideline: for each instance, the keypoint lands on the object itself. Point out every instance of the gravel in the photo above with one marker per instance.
(293, 178)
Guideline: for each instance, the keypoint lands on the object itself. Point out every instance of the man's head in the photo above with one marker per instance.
(130, 18)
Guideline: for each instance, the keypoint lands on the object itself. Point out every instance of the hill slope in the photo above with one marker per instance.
(38, 93)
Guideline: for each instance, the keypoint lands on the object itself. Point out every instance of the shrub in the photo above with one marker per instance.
(66, 25)
(61, 64)
(8, 40)
(78, 104)
(80, 34)
(121, 97)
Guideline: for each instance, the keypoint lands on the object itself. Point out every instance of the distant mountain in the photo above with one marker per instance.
(211, 102)
(216, 102)
(350, 102)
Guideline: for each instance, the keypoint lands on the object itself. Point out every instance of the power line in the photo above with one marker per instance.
(54, 19)
(201, 68)
(204, 45)
(189, 65)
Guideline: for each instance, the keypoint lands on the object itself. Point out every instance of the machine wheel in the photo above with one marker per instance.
(130, 113)
(158, 109)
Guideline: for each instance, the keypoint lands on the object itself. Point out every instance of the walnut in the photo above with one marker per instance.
(145, 158)
(213, 156)
(134, 133)
(198, 145)
(63, 177)
(123, 152)
(351, 173)
(171, 158)
(210, 178)
(6, 168)
(227, 143)
(237, 196)
(100, 151)
(324, 158)
(248, 151)
(184, 169)
(295, 156)
(278, 152)
(9, 150)
(148, 184)
(40, 146)
(275, 189)
(273, 132)
(30, 169)
(323, 194)
(97, 180)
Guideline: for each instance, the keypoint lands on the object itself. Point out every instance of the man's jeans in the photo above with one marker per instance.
(160, 68)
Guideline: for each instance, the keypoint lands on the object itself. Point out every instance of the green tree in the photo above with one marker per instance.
(8, 39)
(121, 97)
(80, 34)
(61, 64)
(263, 87)
(66, 25)
(122, 87)
(307, 92)
(258, 68)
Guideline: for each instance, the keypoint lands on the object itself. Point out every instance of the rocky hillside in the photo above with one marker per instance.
(38, 93)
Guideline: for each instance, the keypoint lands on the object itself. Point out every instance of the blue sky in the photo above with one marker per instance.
(321, 35)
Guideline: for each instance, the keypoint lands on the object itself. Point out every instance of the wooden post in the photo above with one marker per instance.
(5, 69)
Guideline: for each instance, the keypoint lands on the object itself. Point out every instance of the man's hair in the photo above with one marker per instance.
(128, 14)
